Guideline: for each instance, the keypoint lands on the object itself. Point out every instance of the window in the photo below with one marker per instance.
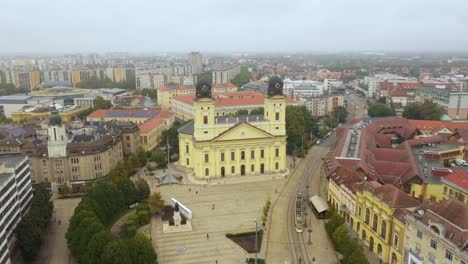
(262, 153)
(222, 156)
(205, 120)
(359, 210)
(186, 149)
(395, 241)
(276, 166)
(394, 258)
(433, 244)
(252, 168)
(277, 116)
(383, 229)
(252, 154)
(375, 223)
(432, 259)
(188, 162)
(233, 169)
(233, 155)
(448, 255)
(277, 152)
(207, 158)
(242, 155)
(419, 234)
(445, 190)
(207, 172)
(367, 216)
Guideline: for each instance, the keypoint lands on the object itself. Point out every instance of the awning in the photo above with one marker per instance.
(319, 204)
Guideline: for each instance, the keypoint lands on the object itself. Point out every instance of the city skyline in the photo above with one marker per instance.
(258, 26)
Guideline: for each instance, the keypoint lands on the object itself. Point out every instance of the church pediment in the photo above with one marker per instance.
(242, 131)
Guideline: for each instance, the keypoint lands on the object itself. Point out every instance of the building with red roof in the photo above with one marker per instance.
(456, 185)
(167, 92)
(226, 103)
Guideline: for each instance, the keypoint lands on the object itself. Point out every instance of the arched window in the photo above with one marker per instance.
(394, 258)
(358, 226)
(367, 216)
(375, 223)
(383, 229)
(379, 250)
(364, 235)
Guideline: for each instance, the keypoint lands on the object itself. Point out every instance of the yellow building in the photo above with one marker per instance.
(150, 133)
(166, 93)
(380, 223)
(216, 147)
(455, 185)
(38, 112)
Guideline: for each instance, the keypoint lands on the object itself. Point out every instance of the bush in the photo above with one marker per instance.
(129, 222)
(134, 218)
(142, 207)
(143, 217)
(130, 231)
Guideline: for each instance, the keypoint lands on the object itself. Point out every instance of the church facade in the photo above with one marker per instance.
(219, 146)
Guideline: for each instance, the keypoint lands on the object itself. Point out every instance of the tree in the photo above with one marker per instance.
(173, 136)
(340, 114)
(159, 156)
(100, 103)
(66, 189)
(155, 202)
(298, 127)
(140, 250)
(97, 245)
(257, 111)
(431, 111)
(119, 172)
(382, 100)
(412, 111)
(143, 189)
(116, 252)
(242, 78)
(380, 110)
(151, 93)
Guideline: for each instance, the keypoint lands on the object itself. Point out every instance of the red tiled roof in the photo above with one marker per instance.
(424, 141)
(458, 177)
(231, 98)
(394, 197)
(151, 124)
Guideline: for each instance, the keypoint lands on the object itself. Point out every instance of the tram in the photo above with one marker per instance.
(298, 216)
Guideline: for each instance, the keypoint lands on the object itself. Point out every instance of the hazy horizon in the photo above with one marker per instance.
(234, 26)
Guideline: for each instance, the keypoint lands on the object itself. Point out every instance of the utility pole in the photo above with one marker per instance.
(256, 239)
(168, 150)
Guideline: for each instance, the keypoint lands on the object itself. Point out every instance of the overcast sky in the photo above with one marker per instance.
(233, 25)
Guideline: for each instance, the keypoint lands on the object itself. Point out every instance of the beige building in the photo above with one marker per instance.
(78, 154)
(226, 103)
(323, 105)
(23, 79)
(166, 93)
(225, 73)
(437, 233)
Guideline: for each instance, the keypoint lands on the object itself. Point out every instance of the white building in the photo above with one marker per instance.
(12, 103)
(329, 84)
(298, 89)
(56, 77)
(15, 199)
(195, 59)
(374, 81)
(225, 73)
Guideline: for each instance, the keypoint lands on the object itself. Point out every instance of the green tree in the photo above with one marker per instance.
(299, 123)
(155, 202)
(242, 112)
(159, 156)
(151, 93)
(242, 78)
(140, 250)
(116, 252)
(257, 111)
(382, 100)
(96, 246)
(66, 189)
(412, 111)
(100, 103)
(431, 111)
(356, 256)
(173, 136)
(119, 172)
(340, 114)
(143, 189)
(380, 110)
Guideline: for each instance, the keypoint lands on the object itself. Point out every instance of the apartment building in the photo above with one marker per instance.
(298, 89)
(155, 76)
(23, 79)
(225, 73)
(323, 105)
(195, 60)
(15, 198)
(454, 101)
(56, 77)
(437, 233)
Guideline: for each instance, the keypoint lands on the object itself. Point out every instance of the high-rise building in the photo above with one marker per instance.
(15, 199)
(225, 73)
(28, 80)
(454, 102)
(195, 59)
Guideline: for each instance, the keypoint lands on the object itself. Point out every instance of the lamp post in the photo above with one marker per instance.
(310, 228)
(256, 239)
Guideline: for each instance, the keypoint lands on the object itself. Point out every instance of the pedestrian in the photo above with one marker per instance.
(300, 260)
(207, 236)
(212, 207)
(189, 189)
(59, 222)
(196, 192)
(216, 261)
(276, 190)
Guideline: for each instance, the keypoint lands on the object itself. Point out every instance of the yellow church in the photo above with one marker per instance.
(220, 146)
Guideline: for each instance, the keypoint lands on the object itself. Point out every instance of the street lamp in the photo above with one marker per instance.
(310, 227)
(305, 219)
(256, 239)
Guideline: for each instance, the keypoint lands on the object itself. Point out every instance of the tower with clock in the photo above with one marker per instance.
(275, 104)
(204, 111)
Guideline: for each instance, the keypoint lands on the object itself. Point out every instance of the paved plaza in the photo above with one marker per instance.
(236, 207)
(54, 249)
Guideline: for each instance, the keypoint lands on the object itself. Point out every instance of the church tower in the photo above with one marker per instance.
(57, 137)
(275, 107)
(204, 112)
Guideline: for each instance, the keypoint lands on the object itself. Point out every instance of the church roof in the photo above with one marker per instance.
(187, 128)
(238, 119)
